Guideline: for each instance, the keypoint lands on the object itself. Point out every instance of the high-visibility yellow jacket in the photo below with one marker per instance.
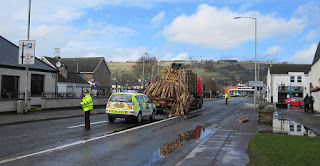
(226, 96)
(87, 103)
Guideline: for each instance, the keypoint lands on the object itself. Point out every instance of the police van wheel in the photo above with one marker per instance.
(139, 118)
(111, 119)
(153, 115)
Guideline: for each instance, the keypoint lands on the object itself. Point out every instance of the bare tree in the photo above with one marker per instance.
(151, 66)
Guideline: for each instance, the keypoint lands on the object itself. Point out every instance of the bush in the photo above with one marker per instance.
(270, 108)
(262, 106)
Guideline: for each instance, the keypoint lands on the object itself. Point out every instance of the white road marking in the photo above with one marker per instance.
(197, 110)
(90, 124)
(82, 142)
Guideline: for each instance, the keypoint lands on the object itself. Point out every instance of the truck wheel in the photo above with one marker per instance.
(153, 116)
(139, 117)
(111, 119)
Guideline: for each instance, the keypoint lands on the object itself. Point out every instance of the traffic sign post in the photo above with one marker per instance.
(256, 83)
(26, 52)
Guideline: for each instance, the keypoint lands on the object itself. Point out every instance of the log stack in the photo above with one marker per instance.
(173, 85)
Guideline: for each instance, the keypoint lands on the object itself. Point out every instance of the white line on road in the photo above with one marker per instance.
(90, 124)
(197, 110)
(82, 142)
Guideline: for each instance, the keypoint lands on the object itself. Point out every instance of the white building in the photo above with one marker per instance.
(41, 77)
(286, 79)
(315, 79)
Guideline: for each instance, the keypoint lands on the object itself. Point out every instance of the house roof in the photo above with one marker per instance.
(87, 64)
(317, 55)
(72, 78)
(286, 68)
(84, 64)
(9, 57)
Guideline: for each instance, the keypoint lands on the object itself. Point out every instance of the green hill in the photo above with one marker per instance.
(227, 73)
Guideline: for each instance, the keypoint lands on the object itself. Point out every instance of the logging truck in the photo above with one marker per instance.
(177, 91)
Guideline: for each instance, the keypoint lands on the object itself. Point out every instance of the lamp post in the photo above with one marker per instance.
(255, 54)
(191, 58)
(143, 69)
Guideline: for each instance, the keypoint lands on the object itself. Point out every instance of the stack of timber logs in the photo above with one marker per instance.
(173, 85)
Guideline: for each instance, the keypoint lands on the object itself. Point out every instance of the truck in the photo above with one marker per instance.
(186, 81)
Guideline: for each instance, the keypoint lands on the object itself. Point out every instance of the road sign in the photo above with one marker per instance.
(26, 52)
(256, 83)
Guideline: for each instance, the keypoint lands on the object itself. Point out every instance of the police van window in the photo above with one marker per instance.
(139, 98)
(146, 99)
(121, 98)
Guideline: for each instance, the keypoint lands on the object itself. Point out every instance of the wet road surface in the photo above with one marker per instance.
(209, 136)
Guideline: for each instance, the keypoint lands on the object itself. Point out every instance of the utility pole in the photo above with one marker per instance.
(26, 93)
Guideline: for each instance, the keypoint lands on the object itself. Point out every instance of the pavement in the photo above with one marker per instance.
(42, 115)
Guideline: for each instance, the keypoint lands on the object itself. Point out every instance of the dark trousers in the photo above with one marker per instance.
(306, 107)
(226, 101)
(87, 119)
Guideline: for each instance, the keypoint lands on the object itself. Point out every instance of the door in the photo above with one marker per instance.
(148, 105)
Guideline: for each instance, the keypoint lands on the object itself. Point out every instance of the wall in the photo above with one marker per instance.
(315, 80)
(49, 103)
(10, 104)
(103, 75)
(77, 88)
(49, 81)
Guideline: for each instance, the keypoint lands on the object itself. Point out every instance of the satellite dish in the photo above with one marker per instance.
(58, 64)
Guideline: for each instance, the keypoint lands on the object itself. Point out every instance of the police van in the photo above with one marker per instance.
(131, 106)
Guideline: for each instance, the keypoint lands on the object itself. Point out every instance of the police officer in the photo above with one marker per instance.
(226, 96)
(87, 106)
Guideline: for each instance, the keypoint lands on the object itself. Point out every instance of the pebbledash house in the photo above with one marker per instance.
(284, 80)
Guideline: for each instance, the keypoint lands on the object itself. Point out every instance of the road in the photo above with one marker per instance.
(168, 141)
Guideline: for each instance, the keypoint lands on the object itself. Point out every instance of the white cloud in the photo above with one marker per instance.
(156, 20)
(310, 11)
(273, 50)
(313, 34)
(182, 56)
(304, 56)
(216, 28)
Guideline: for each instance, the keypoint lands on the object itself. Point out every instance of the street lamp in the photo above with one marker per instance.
(191, 58)
(255, 54)
(143, 69)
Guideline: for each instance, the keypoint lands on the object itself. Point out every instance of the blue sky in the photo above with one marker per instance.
(124, 30)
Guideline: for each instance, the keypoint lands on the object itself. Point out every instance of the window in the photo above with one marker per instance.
(120, 98)
(299, 79)
(291, 127)
(298, 127)
(140, 98)
(9, 86)
(291, 78)
(37, 82)
(146, 99)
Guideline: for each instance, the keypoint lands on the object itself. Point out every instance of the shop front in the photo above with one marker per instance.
(285, 92)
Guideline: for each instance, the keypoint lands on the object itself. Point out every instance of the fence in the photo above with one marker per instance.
(12, 95)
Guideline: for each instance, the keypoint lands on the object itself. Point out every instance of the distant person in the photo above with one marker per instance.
(87, 106)
(307, 102)
(226, 96)
(311, 105)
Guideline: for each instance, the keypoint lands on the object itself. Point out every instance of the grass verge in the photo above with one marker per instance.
(280, 149)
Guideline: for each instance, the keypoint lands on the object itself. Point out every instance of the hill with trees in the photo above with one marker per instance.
(215, 74)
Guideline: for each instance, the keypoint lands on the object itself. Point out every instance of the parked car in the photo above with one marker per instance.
(295, 101)
(131, 106)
